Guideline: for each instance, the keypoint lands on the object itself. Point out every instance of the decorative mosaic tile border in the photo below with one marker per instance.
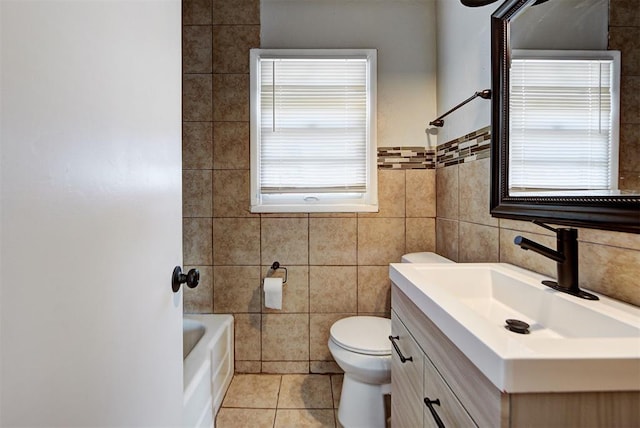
(406, 158)
(467, 148)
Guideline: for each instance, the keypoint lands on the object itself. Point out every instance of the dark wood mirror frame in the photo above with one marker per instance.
(619, 213)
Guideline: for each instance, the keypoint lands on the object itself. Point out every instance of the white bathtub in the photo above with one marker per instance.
(208, 367)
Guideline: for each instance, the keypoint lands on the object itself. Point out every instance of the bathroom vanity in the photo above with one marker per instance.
(435, 383)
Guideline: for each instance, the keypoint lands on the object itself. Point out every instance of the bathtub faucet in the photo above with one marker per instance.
(566, 258)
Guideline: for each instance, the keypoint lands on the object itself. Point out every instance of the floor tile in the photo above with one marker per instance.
(288, 418)
(305, 392)
(253, 391)
(240, 418)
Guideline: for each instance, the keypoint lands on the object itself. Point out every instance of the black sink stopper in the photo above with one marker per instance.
(517, 326)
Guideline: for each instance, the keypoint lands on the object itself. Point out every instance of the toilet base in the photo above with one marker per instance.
(362, 404)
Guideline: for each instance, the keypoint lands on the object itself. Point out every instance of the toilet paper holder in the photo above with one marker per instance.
(274, 267)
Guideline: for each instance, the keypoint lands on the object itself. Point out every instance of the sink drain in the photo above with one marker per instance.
(517, 326)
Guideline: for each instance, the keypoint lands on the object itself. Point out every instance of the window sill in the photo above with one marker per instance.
(315, 208)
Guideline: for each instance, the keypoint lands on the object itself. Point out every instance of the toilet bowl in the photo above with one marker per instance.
(360, 346)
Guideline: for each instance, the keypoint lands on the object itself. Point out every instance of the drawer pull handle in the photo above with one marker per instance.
(403, 359)
(430, 404)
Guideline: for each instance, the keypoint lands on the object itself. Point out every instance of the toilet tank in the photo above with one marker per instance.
(424, 258)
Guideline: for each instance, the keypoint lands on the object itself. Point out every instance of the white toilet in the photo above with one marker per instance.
(361, 347)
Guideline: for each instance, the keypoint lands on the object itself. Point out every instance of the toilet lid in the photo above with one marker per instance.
(362, 334)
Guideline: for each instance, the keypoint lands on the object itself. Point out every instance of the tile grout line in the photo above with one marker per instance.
(275, 414)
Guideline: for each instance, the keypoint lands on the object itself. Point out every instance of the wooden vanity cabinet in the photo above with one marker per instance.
(415, 380)
(440, 371)
(406, 378)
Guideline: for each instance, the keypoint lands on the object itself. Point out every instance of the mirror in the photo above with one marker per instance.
(545, 33)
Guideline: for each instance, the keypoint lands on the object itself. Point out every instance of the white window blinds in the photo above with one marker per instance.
(313, 130)
(313, 125)
(563, 123)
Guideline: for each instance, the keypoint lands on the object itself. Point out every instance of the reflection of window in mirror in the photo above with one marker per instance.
(564, 122)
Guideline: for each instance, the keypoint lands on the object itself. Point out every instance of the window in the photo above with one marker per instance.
(564, 120)
(313, 140)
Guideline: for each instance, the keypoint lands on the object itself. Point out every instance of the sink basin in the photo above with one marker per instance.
(571, 345)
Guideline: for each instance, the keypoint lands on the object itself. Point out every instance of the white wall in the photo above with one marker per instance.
(566, 24)
(403, 31)
(464, 51)
(464, 65)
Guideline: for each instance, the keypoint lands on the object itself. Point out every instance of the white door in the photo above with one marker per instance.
(90, 230)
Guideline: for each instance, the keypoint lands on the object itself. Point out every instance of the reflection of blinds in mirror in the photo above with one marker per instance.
(313, 125)
(563, 132)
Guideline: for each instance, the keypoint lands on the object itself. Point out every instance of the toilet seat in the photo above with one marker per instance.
(363, 335)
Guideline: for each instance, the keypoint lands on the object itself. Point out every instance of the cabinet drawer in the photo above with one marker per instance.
(446, 406)
(406, 378)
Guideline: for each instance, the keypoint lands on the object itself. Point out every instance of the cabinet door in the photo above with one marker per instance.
(406, 378)
(443, 409)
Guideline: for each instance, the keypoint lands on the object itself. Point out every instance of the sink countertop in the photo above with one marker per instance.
(574, 344)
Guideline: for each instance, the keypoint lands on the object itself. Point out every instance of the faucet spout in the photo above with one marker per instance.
(527, 244)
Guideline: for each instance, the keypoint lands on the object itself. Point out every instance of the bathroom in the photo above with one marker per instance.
(338, 263)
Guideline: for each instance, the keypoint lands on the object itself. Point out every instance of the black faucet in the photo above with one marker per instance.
(566, 258)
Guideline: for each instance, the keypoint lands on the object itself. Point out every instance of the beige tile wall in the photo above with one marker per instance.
(609, 261)
(624, 35)
(337, 266)
(337, 262)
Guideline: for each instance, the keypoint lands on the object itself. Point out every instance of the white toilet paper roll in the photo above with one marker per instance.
(273, 293)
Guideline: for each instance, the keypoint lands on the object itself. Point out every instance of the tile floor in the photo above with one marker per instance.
(279, 401)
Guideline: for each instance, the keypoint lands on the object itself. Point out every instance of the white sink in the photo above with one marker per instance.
(572, 344)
